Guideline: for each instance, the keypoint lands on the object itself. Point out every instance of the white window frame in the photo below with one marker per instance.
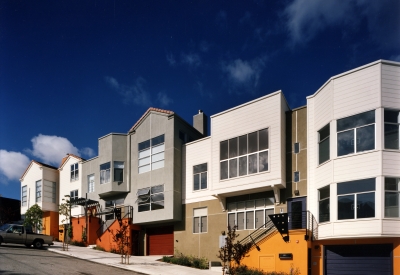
(74, 194)
(24, 195)
(391, 123)
(39, 188)
(104, 173)
(120, 165)
(199, 215)
(199, 175)
(74, 172)
(327, 138)
(388, 191)
(91, 183)
(152, 157)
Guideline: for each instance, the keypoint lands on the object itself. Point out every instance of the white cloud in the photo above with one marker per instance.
(135, 94)
(244, 74)
(306, 18)
(12, 165)
(87, 152)
(171, 59)
(164, 99)
(51, 149)
(191, 59)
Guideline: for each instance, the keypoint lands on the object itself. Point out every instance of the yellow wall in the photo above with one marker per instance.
(50, 224)
(267, 258)
(317, 250)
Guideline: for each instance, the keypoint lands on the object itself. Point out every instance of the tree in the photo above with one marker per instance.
(33, 217)
(232, 253)
(65, 210)
(121, 239)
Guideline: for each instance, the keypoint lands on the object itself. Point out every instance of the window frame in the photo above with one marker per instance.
(324, 200)
(152, 144)
(104, 172)
(233, 157)
(200, 219)
(199, 174)
(74, 175)
(392, 192)
(91, 183)
(116, 163)
(386, 122)
(298, 176)
(296, 147)
(38, 189)
(74, 194)
(148, 196)
(24, 199)
(321, 142)
(354, 130)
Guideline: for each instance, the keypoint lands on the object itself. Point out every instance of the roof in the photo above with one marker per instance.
(38, 163)
(67, 156)
(151, 109)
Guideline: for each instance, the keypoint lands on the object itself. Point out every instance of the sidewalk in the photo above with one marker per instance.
(141, 264)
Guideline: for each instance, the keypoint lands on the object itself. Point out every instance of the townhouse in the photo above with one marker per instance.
(314, 188)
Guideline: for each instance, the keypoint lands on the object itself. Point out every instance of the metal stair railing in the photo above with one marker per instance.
(258, 234)
(127, 210)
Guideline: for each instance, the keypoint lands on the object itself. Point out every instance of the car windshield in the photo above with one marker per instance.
(4, 227)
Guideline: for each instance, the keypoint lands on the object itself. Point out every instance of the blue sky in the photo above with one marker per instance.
(73, 71)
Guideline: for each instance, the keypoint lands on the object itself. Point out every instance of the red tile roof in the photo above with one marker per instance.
(66, 157)
(151, 109)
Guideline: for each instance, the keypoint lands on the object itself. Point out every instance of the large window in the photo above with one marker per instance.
(324, 195)
(105, 173)
(200, 176)
(200, 220)
(49, 191)
(91, 183)
(39, 191)
(392, 126)
(323, 144)
(24, 195)
(74, 172)
(119, 171)
(356, 133)
(251, 214)
(150, 198)
(392, 197)
(356, 199)
(247, 154)
(151, 154)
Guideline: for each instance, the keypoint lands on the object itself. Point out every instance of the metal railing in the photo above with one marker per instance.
(126, 212)
(258, 234)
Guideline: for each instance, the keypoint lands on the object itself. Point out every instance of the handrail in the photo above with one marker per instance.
(260, 232)
(107, 223)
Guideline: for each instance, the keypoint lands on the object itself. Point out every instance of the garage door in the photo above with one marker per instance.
(359, 259)
(160, 241)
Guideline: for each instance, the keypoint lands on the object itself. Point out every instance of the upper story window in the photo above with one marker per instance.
(200, 220)
(392, 126)
(119, 171)
(74, 172)
(392, 197)
(73, 195)
(38, 191)
(356, 133)
(323, 144)
(151, 154)
(150, 198)
(200, 176)
(296, 175)
(91, 183)
(247, 154)
(105, 176)
(356, 199)
(24, 195)
(296, 147)
(324, 196)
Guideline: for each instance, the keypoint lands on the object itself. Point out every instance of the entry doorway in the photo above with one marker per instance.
(297, 211)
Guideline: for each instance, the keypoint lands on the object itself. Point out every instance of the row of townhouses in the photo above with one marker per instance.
(315, 188)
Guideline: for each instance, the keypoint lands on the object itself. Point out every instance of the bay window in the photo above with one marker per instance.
(323, 144)
(392, 197)
(324, 195)
(105, 173)
(392, 126)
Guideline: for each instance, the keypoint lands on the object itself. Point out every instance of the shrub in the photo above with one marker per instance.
(77, 243)
(98, 248)
(190, 261)
(244, 270)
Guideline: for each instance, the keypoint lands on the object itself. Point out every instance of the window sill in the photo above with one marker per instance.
(325, 162)
(357, 154)
(356, 220)
(391, 150)
(200, 190)
(245, 176)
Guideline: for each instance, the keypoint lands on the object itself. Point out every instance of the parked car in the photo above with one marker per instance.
(19, 234)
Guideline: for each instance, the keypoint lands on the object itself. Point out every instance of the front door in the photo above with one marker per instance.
(297, 213)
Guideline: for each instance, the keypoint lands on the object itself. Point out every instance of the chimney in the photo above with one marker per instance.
(200, 122)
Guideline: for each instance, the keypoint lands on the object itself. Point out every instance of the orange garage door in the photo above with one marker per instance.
(160, 241)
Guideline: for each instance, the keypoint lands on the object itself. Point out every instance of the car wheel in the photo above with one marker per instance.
(38, 244)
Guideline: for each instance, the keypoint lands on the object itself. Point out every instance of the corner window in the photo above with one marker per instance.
(392, 197)
(91, 183)
(200, 176)
(119, 171)
(324, 195)
(105, 173)
(150, 198)
(296, 147)
(38, 191)
(356, 199)
(247, 154)
(200, 220)
(151, 154)
(323, 144)
(73, 195)
(356, 133)
(392, 126)
(74, 172)
(251, 214)
(24, 195)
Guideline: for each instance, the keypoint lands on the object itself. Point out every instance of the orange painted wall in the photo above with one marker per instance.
(267, 258)
(317, 250)
(50, 224)
(106, 240)
(78, 225)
